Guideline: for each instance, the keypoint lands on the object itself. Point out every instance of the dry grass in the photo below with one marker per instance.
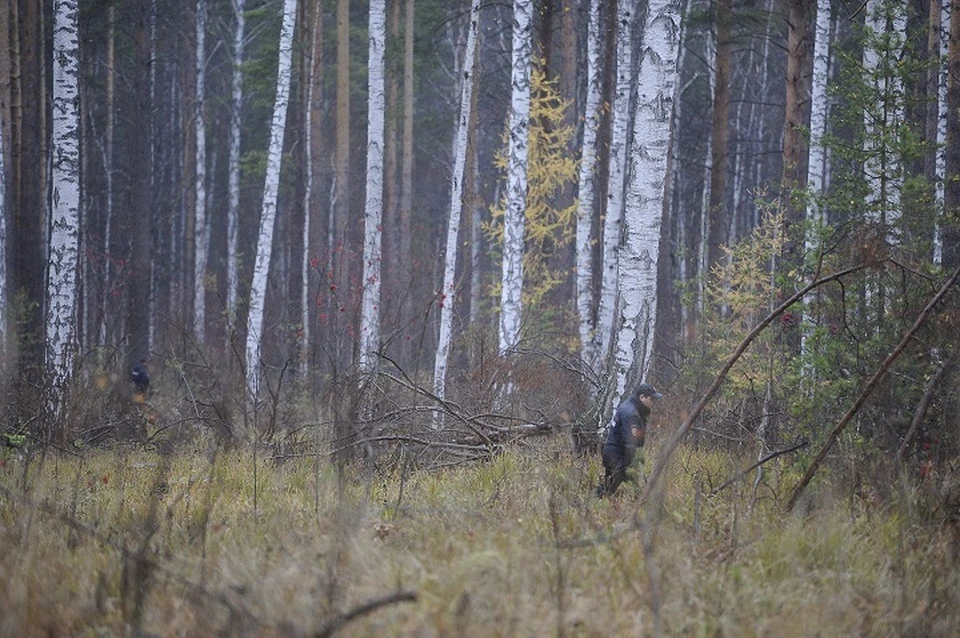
(120, 543)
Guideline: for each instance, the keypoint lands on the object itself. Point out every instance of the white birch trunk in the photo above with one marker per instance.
(200, 212)
(514, 222)
(941, 161)
(305, 305)
(643, 210)
(372, 225)
(64, 235)
(271, 187)
(588, 164)
(816, 164)
(447, 293)
(3, 254)
(613, 217)
(477, 245)
(816, 153)
(233, 161)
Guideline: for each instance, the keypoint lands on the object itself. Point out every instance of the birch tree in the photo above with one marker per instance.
(313, 75)
(448, 292)
(3, 246)
(951, 194)
(373, 216)
(613, 217)
(233, 162)
(514, 226)
(643, 211)
(817, 152)
(200, 213)
(943, 78)
(261, 269)
(587, 182)
(65, 201)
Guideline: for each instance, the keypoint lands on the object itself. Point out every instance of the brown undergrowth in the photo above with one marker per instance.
(123, 543)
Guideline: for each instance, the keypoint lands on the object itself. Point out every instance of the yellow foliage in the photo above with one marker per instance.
(742, 291)
(550, 170)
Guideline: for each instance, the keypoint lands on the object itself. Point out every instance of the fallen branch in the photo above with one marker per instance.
(364, 609)
(730, 481)
(868, 389)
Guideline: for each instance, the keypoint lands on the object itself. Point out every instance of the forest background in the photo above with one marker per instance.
(320, 225)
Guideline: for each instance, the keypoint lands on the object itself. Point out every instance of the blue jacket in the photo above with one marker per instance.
(628, 429)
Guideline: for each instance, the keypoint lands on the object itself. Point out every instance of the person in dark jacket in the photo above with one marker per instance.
(625, 436)
(140, 375)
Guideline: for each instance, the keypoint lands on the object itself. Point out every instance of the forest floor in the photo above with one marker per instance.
(219, 543)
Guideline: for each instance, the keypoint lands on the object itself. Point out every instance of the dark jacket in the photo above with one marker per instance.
(627, 432)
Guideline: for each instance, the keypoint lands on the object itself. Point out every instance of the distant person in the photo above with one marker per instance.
(140, 375)
(625, 436)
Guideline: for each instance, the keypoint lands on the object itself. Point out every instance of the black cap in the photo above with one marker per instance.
(648, 390)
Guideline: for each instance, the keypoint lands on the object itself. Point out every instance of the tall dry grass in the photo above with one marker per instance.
(123, 543)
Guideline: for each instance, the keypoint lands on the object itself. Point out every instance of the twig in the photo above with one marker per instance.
(363, 609)
(769, 457)
(874, 381)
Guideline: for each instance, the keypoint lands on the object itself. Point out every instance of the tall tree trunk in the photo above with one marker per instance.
(5, 66)
(448, 291)
(404, 258)
(108, 169)
(29, 168)
(718, 217)
(613, 219)
(656, 82)
(373, 217)
(707, 225)
(587, 183)
(341, 195)
(391, 227)
(940, 44)
(153, 293)
(951, 194)
(64, 206)
(200, 214)
(514, 220)
(233, 167)
(271, 187)
(817, 153)
(140, 207)
(797, 19)
(4, 309)
(313, 76)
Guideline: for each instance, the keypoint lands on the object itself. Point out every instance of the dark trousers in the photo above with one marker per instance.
(614, 469)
